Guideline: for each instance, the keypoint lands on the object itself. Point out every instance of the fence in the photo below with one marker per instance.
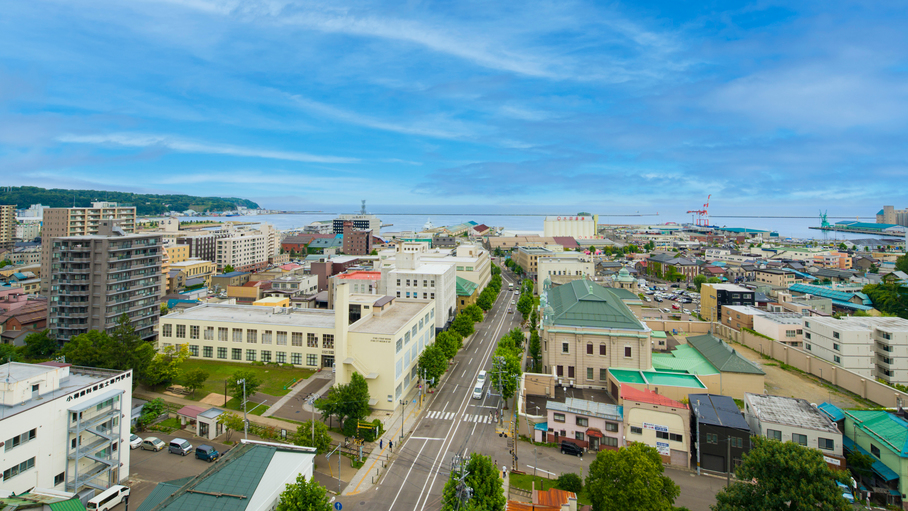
(691, 327)
(864, 386)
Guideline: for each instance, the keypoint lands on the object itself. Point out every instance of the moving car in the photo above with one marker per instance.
(135, 441)
(153, 444)
(206, 453)
(571, 448)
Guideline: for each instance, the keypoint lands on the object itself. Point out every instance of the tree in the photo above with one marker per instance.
(165, 367)
(535, 349)
(433, 363)
(40, 345)
(713, 280)
(127, 350)
(164, 309)
(484, 480)
(450, 343)
(888, 297)
(86, 349)
(630, 479)
(525, 305)
(777, 475)
(348, 401)
(463, 325)
(9, 353)
(860, 464)
(505, 372)
(304, 496)
(699, 280)
(193, 379)
(231, 422)
(253, 382)
(569, 482)
(474, 313)
(374, 252)
(228, 269)
(534, 319)
(485, 300)
(901, 264)
(322, 438)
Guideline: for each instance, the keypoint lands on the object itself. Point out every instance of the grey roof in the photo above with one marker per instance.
(588, 408)
(722, 356)
(233, 274)
(718, 411)
(789, 411)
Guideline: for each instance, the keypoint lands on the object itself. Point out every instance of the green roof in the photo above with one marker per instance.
(657, 378)
(587, 304)
(628, 376)
(238, 473)
(624, 294)
(685, 359)
(722, 356)
(465, 287)
(67, 505)
(890, 429)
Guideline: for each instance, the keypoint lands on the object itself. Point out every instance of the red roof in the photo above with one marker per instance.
(481, 228)
(554, 497)
(648, 396)
(566, 241)
(51, 363)
(360, 275)
(191, 411)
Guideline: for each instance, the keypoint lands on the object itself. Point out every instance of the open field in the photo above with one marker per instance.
(274, 378)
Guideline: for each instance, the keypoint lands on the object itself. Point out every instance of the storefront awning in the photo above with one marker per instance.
(593, 432)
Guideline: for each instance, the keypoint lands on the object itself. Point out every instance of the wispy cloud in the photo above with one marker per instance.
(187, 146)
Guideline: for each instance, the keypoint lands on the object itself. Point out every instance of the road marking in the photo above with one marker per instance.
(425, 438)
(471, 361)
(408, 473)
(464, 373)
(539, 469)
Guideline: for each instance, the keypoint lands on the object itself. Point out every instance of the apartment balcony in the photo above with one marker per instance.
(884, 361)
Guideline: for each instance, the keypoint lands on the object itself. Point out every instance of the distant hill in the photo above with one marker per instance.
(146, 204)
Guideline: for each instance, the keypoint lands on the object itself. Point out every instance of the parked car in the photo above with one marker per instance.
(180, 446)
(135, 441)
(206, 453)
(571, 448)
(153, 444)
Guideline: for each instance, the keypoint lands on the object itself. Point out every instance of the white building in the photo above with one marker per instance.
(63, 427)
(872, 347)
(789, 419)
(563, 268)
(785, 327)
(250, 249)
(28, 230)
(578, 226)
(360, 223)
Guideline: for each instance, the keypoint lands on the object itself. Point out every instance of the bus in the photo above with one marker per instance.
(510, 286)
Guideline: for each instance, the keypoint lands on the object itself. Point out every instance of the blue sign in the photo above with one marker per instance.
(338, 506)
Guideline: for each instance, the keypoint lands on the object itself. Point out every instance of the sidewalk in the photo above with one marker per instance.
(264, 421)
(326, 375)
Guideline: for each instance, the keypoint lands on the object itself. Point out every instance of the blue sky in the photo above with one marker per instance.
(773, 108)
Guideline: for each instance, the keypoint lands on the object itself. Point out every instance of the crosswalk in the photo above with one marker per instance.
(467, 417)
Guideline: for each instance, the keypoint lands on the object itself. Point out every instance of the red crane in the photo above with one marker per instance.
(702, 214)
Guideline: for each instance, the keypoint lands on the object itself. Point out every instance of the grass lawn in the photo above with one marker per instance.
(524, 482)
(274, 378)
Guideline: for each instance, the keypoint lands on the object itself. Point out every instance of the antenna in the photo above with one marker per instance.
(362, 210)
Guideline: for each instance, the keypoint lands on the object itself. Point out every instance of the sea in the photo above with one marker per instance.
(787, 227)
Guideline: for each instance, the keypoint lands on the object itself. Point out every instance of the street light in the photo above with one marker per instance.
(245, 420)
(403, 414)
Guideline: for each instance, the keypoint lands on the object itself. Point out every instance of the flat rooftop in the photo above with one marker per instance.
(393, 319)
(789, 411)
(79, 377)
(730, 287)
(785, 318)
(745, 309)
(313, 318)
(430, 269)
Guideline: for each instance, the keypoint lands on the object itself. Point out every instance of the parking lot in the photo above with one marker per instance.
(148, 468)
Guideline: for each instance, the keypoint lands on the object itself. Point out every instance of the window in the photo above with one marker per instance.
(837, 359)
(398, 282)
(296, 358)
(400, 346)
(799, 438)
(874, 450)
(222, 353)
(582, 421)
(589, 348)
(835, 335)
(712, 438)
(209, 333)
(774, 434)
(565, 347)
(789, 333)
(311, 340)
(559, 370)
(207, 351)
(674, 437)
(236, 354)
(18, 469)
(662, 434)
(296, 339)
(328, 340)
(807, 324)
(181, 331)
(281, 339)
(414, 331)
(266, 337)
(59, 478)
(589, 373)
(167, 330)
(637, 431)
(611, 426)
(312, 359)
(194, 331)
(609, 441)
(603, 374)
(266, 357)
(194, 350)
(835, 346)
(602, 350)
(809, 348)
(807, 335)
(826, 443)
(570, 371)
(627, 352)
(18, 440)
(222, 334)
(250, 355)
(578, 436)
(558, 417)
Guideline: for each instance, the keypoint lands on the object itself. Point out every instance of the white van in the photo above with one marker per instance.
(481, 378)
(108, 498)
(477, 390)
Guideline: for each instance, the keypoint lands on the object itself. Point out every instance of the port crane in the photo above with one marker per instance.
(702, 214)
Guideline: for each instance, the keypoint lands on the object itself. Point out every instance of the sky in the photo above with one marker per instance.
(609, 107)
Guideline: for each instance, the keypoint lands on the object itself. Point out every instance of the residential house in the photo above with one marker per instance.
(790, 419)
(719, 429)
(658, 422)
(589, 424)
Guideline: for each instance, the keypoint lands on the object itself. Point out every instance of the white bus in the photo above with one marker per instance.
(108, 498)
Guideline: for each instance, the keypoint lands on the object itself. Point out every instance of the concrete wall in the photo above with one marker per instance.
(691, 327)
(867, 388)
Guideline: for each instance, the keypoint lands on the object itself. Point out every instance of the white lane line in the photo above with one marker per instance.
(464, 373)
(408, 473)
(424, 438)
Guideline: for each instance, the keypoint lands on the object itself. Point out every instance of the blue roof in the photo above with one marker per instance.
(800, 274)
(834, 412)
(233, 274)
(830, 293)
(865, 225)
(173, 301)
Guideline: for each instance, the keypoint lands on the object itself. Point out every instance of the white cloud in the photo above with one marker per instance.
(187, 146)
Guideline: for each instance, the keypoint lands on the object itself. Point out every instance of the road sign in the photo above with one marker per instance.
(338, 506)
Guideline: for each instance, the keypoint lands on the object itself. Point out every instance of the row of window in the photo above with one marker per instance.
(659, 434)
(251, 336)
(823, 443)
(425, 296)
(585, 422)
(713, 438)
(18, 440)
(590, 372)
(18, 469)
(425, 283)
(566, 349)
(280, 357)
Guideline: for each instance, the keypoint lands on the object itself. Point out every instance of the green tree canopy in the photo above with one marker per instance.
(486, 299)
(304, 436)
(304, 495)
(630, 479)
(122, 350)
(235, 384)
(433, 363)
(228, 268)
(713, 280)
(889, 298)
(474, 312)
(346, 401)
(165, 367)
(193, 379)
(535, 350)
(40, 345)
(10, 353)
(231, 422)
(699, 280)
(463, 325)
(901, 264)
(450, 343)
(781, 476)
(525, 305)
(485, 481)
(505, 372)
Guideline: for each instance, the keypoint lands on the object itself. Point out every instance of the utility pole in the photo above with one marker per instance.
(403, 414)
(328, 457)
(464, 492)
(312, 399)
(728, 462)
(245, 419)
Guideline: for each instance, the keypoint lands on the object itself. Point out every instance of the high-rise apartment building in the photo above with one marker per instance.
(7, 226)
(248, 250)
(96, 278)
(361, 222)
(356, 241)
(59, 222)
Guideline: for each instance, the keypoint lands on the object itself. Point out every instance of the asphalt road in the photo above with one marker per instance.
(452, 423)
